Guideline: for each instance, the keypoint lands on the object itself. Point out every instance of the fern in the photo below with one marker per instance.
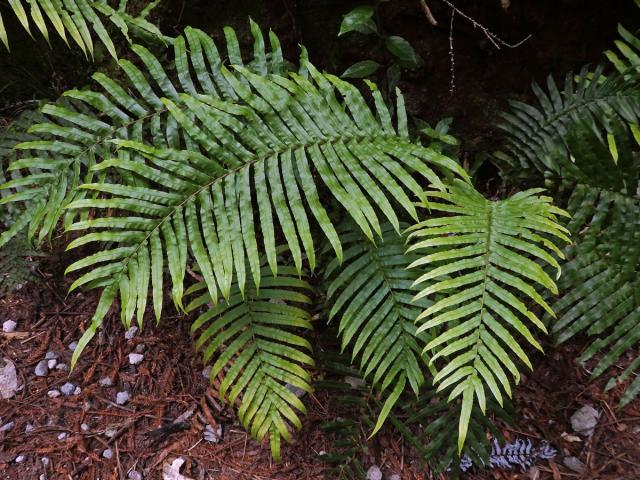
(594, 155)
(77, 18)
(263, 354)
(371, 292)
(479, 257)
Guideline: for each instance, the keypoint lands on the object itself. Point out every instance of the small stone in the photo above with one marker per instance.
(51, 364)
(585, 420)
(395, 476)
(28, 428)
(63, 435)
(53, 393)
(86, 406)
(206, 371)
(141, 347)
(575, 464)
(72, 346)
(374, 473)
(77, 391)
(108, 454)
(122, 398)
(129, 334)
(51, 355)
(42, 369)
(20, 458)
(9, 326)
(105, 382)
(84, 427)
(42, 477)
(135, 358)
(6, 427)
(133, 475)
(110, 432)
(67, 389)
(62, 366)
(211, 434)
(45, 461)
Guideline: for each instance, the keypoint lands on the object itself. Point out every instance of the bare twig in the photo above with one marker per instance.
(427, 13)
(452, 81)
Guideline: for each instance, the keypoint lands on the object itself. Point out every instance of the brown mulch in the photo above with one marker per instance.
(171, 403)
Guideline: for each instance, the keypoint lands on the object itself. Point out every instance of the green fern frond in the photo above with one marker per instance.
(371, 293)
(78, 19)
(74, 134)
(581, 132)
(626, 55)
(482, 260)
(253, 341)
(602, 290)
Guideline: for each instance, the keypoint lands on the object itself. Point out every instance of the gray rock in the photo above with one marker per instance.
(108, 454)
(122, 398)
(6, 427)
(51, 364)
(51, 355)
(20, 458)
(585, 420)
(573, 463)
(9, 326)
(134, 475)
(72, 346)
(42, 477)
(206, 371)
(135, 358)
(8, 380)
(374, 473)
(63, 435)
(67, 389)
(53, 393)
(77, 391)
(41, 370)
(110, 432)
(395, 476)
(211, 434)
(28, 428)
(62, 366)
(45, 461)
(129, 334)
(105, 382)
(84, 427)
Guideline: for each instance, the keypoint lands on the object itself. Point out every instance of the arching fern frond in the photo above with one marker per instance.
(601, 281)
(79, 19)
(371, 293)
(482, 261)
(75, 133)
(254, 342)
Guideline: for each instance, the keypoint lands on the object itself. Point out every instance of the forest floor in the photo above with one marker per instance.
(170, 399)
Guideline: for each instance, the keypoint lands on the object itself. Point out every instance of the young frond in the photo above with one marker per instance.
(371, 293)
(600, 283)
(67, 138)
(78, 18)
(483, 265)
(254, 342)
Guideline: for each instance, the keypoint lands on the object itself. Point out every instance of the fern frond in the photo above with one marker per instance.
(482, 260)
(253, 341)
(371, 293)
(602, 290)
(75, 133)
(583, 132)
(78, 19)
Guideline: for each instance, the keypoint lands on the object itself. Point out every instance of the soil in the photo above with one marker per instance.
(168, 385)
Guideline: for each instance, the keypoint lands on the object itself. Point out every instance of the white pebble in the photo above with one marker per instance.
(84, 427)
(108, 454)
(45, 461)
(9, 326)
(53, 393)
(51, 364)
(6, 427)
(28, 428)
(105, 382)
(67, 389)
(110, 432)
(50, 355)
(41, 369)
(77, 391)
(62, 436)
(20, 458)
(133, 475)
(42, 477)
(62, 366)
(72, 346)
(122, 398)
(135, 358)
(129, 334)
(374, 473)
(206, 371)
